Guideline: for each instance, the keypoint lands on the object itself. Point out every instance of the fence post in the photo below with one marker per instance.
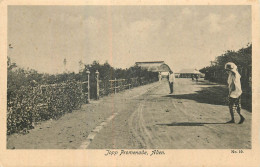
(115, 85)
(97, 76)
(88, 86)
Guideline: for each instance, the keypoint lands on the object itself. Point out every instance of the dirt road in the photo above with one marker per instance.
(144, 118)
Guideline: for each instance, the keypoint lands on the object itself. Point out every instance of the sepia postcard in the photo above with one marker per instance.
(129, 83)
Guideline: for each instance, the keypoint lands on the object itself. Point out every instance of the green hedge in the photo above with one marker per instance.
(34, 97)
(28, 104)
(242, 58)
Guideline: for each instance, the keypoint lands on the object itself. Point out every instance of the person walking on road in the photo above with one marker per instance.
(171, 81)
(235, 92)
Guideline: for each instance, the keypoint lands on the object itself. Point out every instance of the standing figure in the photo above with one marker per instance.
(171, 81)
(192, 77)
(160, 76)
(235, 91)
(197, 77)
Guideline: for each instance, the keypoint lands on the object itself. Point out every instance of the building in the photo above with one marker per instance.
(187, 73)
(154, 66)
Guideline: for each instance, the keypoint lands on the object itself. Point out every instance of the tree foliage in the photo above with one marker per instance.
(34, 97)
(242, 58)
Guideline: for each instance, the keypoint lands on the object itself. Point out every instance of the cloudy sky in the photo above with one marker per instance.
(182, 36)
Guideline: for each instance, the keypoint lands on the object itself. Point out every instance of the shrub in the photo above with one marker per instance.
(33, 104)
(34, 97)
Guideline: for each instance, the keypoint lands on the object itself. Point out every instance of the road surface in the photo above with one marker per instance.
(146, 117)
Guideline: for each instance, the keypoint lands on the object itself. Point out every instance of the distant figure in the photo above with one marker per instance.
(235, 91)
(160, 76)
(192, 77)
(197, 77)
(171, 81)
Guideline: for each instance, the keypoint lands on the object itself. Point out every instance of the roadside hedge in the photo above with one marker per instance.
(242, 58)
(33, 97)
(29, 105)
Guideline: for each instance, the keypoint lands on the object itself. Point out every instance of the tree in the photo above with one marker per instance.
(10, 65)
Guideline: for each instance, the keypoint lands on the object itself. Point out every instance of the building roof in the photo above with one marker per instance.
(189, 71)
(155, 66)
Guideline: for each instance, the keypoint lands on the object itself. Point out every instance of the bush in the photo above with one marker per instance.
(34, 97)
(33, 104)
(242, 58)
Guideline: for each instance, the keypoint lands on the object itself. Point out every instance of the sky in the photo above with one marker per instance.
(183, 36)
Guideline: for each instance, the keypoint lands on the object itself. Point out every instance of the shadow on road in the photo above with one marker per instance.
(214, 95)
(188, 124)
(203, 82)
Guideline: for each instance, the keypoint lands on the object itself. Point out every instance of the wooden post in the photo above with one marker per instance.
(97, 77)
(115, 85)
(88, 86)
